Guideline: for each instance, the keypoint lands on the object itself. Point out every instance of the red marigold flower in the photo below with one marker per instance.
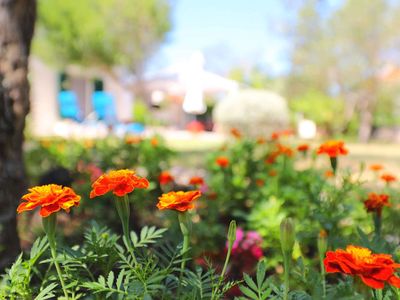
(180, 201)
(196, 180)
(165, 178)
(120, 182)
(388, 178)
(332, 148)
(236, 133)
(376, 202)
(222, 161)
(374, 269)
(303, 147)
(376, 167)
(51, 198)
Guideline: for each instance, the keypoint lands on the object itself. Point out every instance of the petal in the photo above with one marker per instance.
(376, 284)
(395, 281)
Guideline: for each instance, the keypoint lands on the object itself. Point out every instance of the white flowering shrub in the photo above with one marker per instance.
(253, 112)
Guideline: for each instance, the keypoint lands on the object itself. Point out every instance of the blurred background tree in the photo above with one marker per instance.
(341, 51)
(17, 19)
(101, 33)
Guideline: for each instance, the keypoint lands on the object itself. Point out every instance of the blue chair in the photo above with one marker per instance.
(68, 105)
(104, 106)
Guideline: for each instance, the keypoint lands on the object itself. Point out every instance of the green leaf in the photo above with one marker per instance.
(120, 278)
(249, 293)
(261, 269)
(110, 279)
(46, 293)
(250, 282)
(102, 280)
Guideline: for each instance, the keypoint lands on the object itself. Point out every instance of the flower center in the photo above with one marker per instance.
(360, 254)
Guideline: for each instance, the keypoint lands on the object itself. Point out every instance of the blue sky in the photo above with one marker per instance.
(229, 33)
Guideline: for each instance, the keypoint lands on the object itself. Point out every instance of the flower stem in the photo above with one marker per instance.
(123, 210)
(334, 163)
(377, 224)
(378, 294)
(321, 263)
(49, 225)
(185, 232)
(286, 265)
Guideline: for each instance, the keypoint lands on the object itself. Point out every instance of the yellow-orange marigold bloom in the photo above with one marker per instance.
(236, 133)
(180, 201)
(196, 180)
(51, 198)
(374, 269)
(387, 177)
(332, 148)
(376, 202)
(165, 177)
(222, 161)
(120, 182)
(329, 174)
(376, 167)
(303, 147)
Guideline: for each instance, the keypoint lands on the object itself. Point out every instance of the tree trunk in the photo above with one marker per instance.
(17, 19)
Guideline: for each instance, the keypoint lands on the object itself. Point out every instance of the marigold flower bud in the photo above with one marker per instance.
(232, 233)
(287, 235)
(322, 242)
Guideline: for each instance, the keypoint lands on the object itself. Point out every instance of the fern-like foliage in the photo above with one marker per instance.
(260, 289)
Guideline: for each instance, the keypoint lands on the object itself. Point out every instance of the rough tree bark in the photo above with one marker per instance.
(17, 18)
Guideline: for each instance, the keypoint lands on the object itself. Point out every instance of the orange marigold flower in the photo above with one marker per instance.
(303, 147)
(376, 202)
(222, 161)
(271, 158)
(180, 201)
(130, 140)
(120, 182)
(323, 233)
(154, 142)
(277, 134)
(374, 269)
(165, 178)
(332, 148)
(376, 167)
(329, 174)
(259, 182)
(284, 150)
(51, 198)
(387, 177)
(236, 133)
(272, 173)
(196, 180)
(261, 141)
